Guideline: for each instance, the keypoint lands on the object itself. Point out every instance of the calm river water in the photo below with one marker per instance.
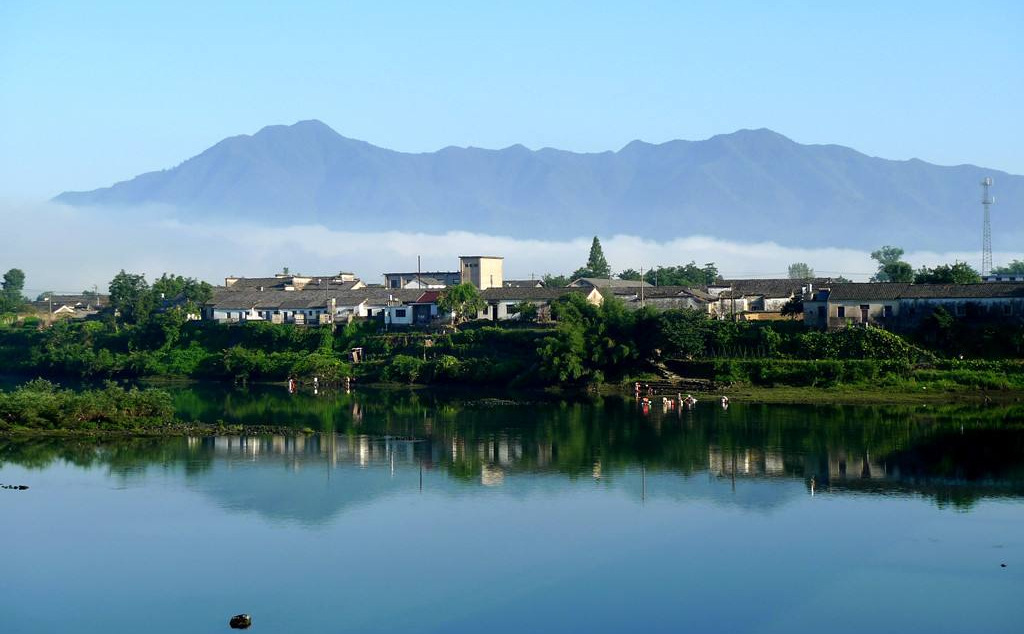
(431, 512)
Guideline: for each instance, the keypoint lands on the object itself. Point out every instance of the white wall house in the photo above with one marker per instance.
(899, 306)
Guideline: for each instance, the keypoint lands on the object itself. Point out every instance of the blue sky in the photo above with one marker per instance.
(95, 92)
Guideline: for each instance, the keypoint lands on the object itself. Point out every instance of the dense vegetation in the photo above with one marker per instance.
(40, 404)
(585, 345)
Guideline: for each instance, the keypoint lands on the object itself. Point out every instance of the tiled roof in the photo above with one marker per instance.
(768, 287)
(986, 290)
(660, 292)
(604, 282)
(298, 281)
(244, 299)
(888, 291)
(523, 283)
(520, 294)
(866, 291)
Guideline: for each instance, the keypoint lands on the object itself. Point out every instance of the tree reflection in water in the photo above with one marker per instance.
(953, 454)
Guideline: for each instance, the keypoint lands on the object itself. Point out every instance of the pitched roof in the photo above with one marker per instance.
(298, 281)
(604, 282)
(661, 292)
(427, 281)
(778, 287)
(986, 290)
(523, 283)
(530, 293)
(244, 299)
(866, 291)
(890, 291)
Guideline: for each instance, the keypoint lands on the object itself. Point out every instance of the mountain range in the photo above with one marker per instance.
(750, 185)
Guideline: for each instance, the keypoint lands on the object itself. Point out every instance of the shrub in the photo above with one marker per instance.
(403, 369)
(324, 365)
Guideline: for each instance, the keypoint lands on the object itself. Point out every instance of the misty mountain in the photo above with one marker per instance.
(748, 185)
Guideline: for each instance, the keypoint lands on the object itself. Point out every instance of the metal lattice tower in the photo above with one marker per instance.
(986, 231)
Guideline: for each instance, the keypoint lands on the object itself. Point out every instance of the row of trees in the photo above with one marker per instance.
(131, 296)
(892, 268)
(135, 300)
(597, 266)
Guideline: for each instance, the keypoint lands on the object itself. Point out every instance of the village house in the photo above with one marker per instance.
(502, 302)
(302, 307)
(607, 283)
(897, 306)
(289, 282)
(482, 271)
(756, 299)
(421, 311)
(663, 297)
(72, 306)
(524, 284)
(426, 279)
(409, 299)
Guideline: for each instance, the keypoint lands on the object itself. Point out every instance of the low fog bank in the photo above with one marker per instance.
(65, 249)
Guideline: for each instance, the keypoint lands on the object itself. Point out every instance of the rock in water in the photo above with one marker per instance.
(240, 621)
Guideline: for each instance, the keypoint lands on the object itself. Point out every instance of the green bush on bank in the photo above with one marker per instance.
(43, 405)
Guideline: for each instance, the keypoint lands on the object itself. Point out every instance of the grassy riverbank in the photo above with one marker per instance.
(859, 395)
(39, 407)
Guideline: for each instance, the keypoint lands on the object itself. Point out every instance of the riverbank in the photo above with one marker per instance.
(858, 395)
(172, 430)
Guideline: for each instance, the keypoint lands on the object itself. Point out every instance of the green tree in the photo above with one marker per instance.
(958, 273)
(563, 354)
(684, 332)
(170, 286)
(14, 281)
(800, 271)
(190, 292)
(597, 265)
(684, 275)
(11, 299)
(555, 281)
(131, 297)
(891, 268)
(793, 307)
(1015, 267)
(526, 310)
(596, 262)
(462, 301)
(632, 275)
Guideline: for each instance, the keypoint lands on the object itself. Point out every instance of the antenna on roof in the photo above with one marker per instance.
(986, 229)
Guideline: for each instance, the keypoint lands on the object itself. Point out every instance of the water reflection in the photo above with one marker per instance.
(374, 444)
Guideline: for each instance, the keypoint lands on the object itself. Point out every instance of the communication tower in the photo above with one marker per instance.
(986, 230)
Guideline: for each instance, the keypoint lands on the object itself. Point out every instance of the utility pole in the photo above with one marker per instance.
(641, 287)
